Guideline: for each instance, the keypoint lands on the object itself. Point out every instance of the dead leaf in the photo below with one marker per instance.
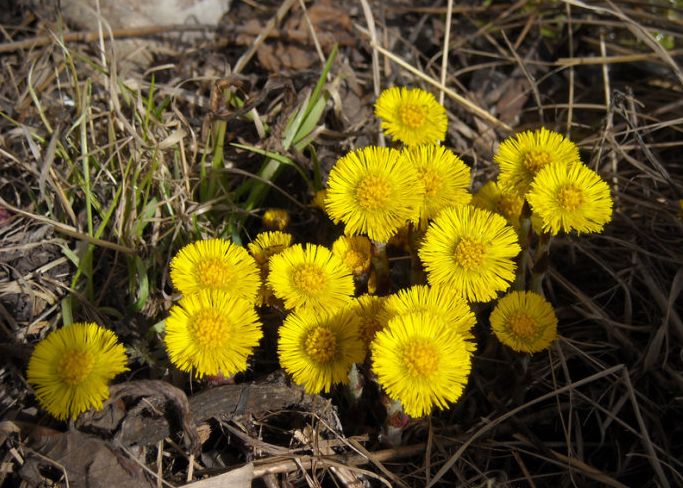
(83, 459)
(237, 478)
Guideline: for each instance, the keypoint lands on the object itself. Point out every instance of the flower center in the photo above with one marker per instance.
(212, 273)
(412, 115)
(373, 192)
(570, 197)
(309, 279)
(535, 160)
(421, 358)
(522, 324)
(369, 328)
(209, 329)
(432, 182)
(469, 253)
(354, 260)
(75, 367)
(321, 345)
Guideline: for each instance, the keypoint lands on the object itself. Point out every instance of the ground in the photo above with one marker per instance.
(111, 161)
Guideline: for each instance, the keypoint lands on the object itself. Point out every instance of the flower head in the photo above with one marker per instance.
(215, 264)
(368, 309)
(524, 321)
(276, 219)
(212, 332)
(318, 350)
(445, 177)
(442, 301)
(374, 191)
(71, 368)
(411, 115)
(470, 250)
(355, 251)
(421, 361)
(523, 155)
(570, 198)
(310, 278)
(267, 244)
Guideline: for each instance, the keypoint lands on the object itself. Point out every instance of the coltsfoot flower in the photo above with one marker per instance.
(215, 264)
(471, 251)
(318, 350)
(373, 191)
(523, 155)
(71, 368)
(355, 251)
(445, 176)
(421, 361)
(524, 321)
(570, 198)
(212, 332)
(310, 278)
(411, 115)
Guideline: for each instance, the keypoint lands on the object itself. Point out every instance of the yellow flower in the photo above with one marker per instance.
(374, 191)
(442, 301)
(494, 198)
(421, 361)
(445, 177)
(368, 309)
(215, 264)
(267, 244)
(318, 350)
(71, 368)
(212, 332)
(318, 200)
(570, 198)
(276, 219)
(470, 250)
(524, 321)
(411, 115)
(355, 251)
(310, 278)
(523, 155)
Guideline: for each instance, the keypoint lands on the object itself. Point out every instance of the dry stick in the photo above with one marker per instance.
(639, 31)
(478, 111)
(67, 229)
(570, 95)
(444, 55)
(532, 82)
(654, 460)
(452, 460)
(609, 125)
(374, 44)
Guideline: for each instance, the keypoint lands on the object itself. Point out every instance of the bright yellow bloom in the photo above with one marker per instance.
(442, 301)
(310, 278)
(421, 361)
(524, 321)
(355, 251)
(470, 250)
(523, 155)
(368, 309)
(570, 198)
(71, 368)
(215, 264)
(319, 349)
(212, 332)
(374, 191)
(412, 116)
(276, 219)
(445, 177)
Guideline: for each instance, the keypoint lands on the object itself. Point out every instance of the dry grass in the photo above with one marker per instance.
(104, 175)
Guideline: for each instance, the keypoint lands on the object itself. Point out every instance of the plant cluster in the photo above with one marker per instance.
(345, 321)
